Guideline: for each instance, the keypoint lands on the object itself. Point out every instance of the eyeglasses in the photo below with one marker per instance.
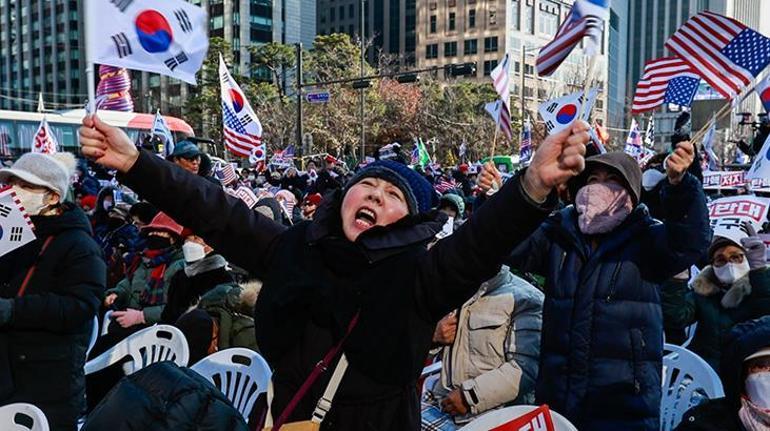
(733, 258)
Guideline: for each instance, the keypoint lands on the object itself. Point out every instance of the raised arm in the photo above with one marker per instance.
(457, 265)
(685, 233)
(243, 236)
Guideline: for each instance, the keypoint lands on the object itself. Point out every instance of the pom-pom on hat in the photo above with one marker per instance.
(420, 196)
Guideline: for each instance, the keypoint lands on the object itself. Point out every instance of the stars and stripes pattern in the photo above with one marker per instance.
(242, 131)
(725, 53)
(501, 79)
(443, 185)
(665, 80)
(45, 141)
(634, 141)
(225, 173)
(581, 21)
(525, 146)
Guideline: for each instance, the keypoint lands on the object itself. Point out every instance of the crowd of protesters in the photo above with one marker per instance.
(552, 285)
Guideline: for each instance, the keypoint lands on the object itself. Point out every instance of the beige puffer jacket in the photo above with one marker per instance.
(494, 358)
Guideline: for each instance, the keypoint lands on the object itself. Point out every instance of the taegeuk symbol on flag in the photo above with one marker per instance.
(15, 224)
(559, 114)
(167, 37)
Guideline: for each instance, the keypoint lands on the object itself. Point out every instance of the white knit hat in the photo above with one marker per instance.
(52, 171)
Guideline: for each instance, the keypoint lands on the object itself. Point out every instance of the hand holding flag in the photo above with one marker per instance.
(107, 145)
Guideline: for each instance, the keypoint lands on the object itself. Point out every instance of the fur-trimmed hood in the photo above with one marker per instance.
(707, 284)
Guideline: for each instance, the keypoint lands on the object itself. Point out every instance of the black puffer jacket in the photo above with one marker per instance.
(164, 397)
(315, 280)
(43, 348)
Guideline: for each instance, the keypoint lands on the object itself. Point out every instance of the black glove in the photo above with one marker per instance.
(6, 311)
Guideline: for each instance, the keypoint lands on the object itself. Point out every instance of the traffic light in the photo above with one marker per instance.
(408, 78)
(461, 69)
(361, 84)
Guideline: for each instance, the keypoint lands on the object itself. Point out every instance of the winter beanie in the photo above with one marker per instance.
(52, 171)
(420, 196)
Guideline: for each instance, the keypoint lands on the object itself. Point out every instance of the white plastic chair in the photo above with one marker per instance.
(502, 416)
(241, 374)
(154, 344)
(22, 417)
(106, 321)
(687, 380)
(94, 335)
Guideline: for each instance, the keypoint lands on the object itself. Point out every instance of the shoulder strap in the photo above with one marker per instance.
(32, 268)
(325, 402)
(320, 367)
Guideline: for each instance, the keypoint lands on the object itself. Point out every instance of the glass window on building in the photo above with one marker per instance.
(450, 49)
(432, 24)
(492, 16)
(471, 46)
(451, 23)
(431, 51)
(529, 19)
(351, 11)
(489, 65)
(515, 21)
(342, 13)
(549, 23)
(217, 22)
(8, 135)
(490, 44)
(332, 14)
(472, 18)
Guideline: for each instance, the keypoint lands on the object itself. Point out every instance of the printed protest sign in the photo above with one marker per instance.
(727, 215)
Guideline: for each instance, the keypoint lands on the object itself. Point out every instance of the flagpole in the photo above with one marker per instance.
(494, 142)
(90, 77)
(587, 85)
(726, 109)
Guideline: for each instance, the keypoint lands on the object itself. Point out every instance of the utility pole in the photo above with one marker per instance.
(363, 73)
(298, 46)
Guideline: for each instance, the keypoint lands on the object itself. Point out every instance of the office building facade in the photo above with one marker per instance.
(482, 32)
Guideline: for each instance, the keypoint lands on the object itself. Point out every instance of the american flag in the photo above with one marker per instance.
(443, 185)
(525, 146)
(225, 173)
(726, 53)
(586, 18)
(501, 79)
(242, 130)
(665, 80)
(415, 159)
(45, 141)
(497, 110)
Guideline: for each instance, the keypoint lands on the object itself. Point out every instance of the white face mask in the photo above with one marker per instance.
(33, 202)
(193, 252)
(758, 389)
(731, 272)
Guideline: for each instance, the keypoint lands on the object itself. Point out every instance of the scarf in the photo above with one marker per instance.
(158, 260)
(753, 417)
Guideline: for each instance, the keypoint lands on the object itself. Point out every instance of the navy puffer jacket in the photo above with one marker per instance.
(602, 339)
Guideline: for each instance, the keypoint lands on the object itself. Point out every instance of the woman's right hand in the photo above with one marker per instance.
(110, 299)
(107, 145)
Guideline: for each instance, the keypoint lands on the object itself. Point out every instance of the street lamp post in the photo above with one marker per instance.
(522, 70)
(363, 73)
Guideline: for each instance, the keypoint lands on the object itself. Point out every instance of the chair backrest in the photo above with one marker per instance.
(22, 417)
(687, 380)
(241, 374)
(154, 344)
(495, 418)
(94, 334)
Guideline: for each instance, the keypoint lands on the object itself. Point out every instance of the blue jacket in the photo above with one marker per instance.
(602, 339)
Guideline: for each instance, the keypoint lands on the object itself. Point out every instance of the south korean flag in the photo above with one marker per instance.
(167, 37)
(15, 225)
(559, 114)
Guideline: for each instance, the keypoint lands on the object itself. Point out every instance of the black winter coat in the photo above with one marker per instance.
(315, 280)
(602, 339)
(43, 348)
(164, 397)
